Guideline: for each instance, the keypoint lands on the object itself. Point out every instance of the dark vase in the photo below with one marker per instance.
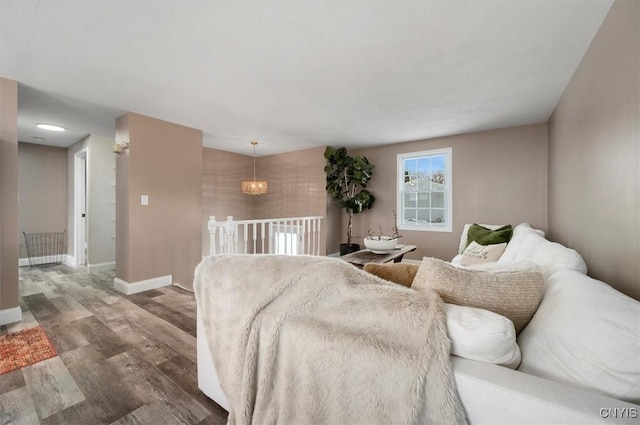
(346, 249)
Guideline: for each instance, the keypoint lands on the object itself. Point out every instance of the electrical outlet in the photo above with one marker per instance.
(144, 200)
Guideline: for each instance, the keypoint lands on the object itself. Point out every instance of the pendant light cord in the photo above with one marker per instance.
(254, 143)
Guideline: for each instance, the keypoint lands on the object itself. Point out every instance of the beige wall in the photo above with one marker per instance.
(8, 194)
(296, 187)
(164, 161)
(499, 176)
(594, 182)
(42, 190)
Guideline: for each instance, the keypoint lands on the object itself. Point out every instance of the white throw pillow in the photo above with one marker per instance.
(482, 335)
(520, 232)
(527, 244)
(585, 334)
(481, 254)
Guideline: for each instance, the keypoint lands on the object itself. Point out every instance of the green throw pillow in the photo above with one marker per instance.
(485, 236)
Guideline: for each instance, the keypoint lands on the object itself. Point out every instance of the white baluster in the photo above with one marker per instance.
(308, 238)
(297, 236)
(262, 235)
(303, 237)
(292, 232)
(222, 238)
(211, 225)
(270, 238)
(286, 237)
(313, 236)
(230, 229)
(255, 235)
(236, 235)
(319, 235)
(245, 237)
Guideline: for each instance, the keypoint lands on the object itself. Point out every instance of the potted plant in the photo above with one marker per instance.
(380, 243)
(347, 178)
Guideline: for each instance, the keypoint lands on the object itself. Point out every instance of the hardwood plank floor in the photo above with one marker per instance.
(121, 359)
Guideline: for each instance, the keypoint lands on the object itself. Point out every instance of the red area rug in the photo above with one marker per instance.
(24, 348)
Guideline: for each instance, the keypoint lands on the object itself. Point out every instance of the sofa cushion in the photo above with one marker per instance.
(482, 335)
(528, 244)
(514, 294)
(480, 254)
(400, 273)
(486, 236)
(585, 334)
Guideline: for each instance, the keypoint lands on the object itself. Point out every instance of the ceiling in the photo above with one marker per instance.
(293, 75)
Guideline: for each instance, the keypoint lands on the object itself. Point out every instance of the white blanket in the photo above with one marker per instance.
(314, 340)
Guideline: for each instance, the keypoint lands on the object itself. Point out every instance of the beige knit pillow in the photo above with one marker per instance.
(514, 294)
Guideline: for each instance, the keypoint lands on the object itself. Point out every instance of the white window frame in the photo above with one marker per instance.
(448, 192)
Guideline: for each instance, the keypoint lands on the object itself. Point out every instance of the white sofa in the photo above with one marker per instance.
(580, 352)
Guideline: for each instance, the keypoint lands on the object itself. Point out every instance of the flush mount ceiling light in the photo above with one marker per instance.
(254, 187)
(50, 127)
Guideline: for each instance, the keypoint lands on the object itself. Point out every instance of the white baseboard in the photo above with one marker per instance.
(100, 267)
(22, 262)
(141, 286)
(67, 260)
(10, 315)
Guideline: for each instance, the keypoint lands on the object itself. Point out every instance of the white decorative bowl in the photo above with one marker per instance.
(380, 246)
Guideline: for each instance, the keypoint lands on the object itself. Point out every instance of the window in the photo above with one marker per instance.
(424, 190)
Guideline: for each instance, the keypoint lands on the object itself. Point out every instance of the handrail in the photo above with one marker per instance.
(289, 235)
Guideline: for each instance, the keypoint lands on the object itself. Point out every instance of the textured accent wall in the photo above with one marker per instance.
(296, 184)
(164, 162)
(8, 193)
(594, 154)
(499, 177)
(222, 173)
(42, 190)
(296, 187)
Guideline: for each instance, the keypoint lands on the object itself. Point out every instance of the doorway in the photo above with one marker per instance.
(80, 211)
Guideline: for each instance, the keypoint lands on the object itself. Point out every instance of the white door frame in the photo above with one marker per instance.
(80, 205)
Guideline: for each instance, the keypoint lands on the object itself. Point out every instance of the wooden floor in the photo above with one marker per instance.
(121, 359)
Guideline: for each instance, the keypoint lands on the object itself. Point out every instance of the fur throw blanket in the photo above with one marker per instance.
(314, 340)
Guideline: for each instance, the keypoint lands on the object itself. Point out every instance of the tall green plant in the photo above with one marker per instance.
(347, 178)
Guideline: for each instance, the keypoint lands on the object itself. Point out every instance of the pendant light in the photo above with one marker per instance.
(254, 187)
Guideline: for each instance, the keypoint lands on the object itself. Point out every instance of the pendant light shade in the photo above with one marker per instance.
(254, 187)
